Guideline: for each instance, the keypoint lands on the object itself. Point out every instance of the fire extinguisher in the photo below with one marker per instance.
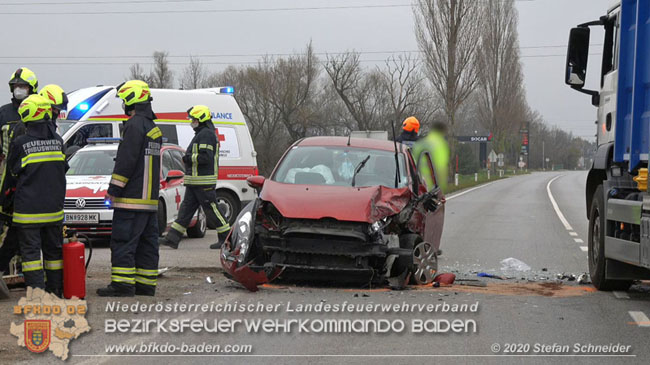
(74, 268)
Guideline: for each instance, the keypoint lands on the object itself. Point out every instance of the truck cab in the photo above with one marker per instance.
(617, 198)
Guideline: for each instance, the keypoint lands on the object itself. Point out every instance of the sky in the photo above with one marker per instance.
(77, 43)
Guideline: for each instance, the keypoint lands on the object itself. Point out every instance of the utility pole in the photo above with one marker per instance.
(543, 156)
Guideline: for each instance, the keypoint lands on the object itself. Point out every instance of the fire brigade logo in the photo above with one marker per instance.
(37, 335)
(80, 203)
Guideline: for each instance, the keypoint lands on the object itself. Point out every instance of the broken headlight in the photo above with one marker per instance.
(244, 230)
(377, 228)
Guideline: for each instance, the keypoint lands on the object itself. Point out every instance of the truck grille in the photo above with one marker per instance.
(84, 203)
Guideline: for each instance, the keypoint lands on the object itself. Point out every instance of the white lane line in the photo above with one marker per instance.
(621, 295)
(578, 240)
(584, 248)
(555, 206)
(573, 234)
(469, 190)
(640, 319)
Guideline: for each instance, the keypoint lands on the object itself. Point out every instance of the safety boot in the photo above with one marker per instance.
(221, 240)
(171, 239)
(113, 290)
(146, 290)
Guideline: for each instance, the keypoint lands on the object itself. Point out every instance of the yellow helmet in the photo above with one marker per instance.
(56, 96)
(200, 113)
(35, 108)
(133, 92)
(24, 76)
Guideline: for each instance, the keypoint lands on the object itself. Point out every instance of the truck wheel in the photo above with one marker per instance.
(201, 226)
(596, 250)
(228, 206)
(162, 218)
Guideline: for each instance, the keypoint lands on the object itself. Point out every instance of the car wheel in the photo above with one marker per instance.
(162, 218)
(425, 262)
(596, 249)
(228, 205)
(201, 226)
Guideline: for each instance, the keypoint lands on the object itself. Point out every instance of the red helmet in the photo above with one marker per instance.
(411, 124)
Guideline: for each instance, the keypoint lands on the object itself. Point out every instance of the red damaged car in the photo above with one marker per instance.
(339, 209)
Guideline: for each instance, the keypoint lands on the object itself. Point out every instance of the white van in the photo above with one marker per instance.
(97, 112)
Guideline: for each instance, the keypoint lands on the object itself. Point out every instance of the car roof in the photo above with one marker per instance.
(374, 144)
(113, 147)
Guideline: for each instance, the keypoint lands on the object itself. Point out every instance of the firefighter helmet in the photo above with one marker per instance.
(56, 96)
(411, 124)
(200, 113)
(24, 76)
(134, 92)
(35, 108)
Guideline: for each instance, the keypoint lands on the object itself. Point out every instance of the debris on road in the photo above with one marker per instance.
(564, 276)
(584, 279)
(445, 279)
(162, 271)
(512, 264)
(188, 293)
(208, 279)
(480, 284)
(493, 276)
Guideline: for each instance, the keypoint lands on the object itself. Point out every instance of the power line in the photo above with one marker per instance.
(251, 10)
(105, 2)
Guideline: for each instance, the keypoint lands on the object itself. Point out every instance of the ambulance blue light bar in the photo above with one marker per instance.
(227, 90)
(104, 140)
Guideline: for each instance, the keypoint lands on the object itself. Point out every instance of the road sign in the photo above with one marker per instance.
(492, 157)
(522, 164)
(500, 164)
(501, 156)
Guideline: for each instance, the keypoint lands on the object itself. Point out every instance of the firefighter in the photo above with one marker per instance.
(58, 99)
(37, 162)
(202, 160)
(133, 195)
(22, 83)
(410, 130)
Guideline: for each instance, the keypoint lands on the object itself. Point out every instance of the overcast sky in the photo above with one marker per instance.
(94, 44)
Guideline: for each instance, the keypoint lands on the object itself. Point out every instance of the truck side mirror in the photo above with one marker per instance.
(577, 57)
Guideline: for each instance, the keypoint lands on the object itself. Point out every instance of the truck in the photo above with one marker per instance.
(617, 196)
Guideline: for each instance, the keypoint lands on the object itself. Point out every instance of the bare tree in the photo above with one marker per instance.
(502, 102)
(292, 91)
(361, 92)
(136, 72)
(448, 34)
(405, 86)
(161, 75)
(194, 75)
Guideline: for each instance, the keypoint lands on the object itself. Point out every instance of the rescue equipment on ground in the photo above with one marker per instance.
(74, 265)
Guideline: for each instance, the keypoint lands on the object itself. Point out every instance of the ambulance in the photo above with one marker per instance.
(96, 112)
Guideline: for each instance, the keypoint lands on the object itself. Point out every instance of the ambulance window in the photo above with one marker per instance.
(80, 137)
(169, 132)
(177, 163)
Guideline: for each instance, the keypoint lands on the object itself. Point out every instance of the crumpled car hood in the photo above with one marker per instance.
(344, 203)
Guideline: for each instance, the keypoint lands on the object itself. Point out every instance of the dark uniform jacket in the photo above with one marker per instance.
(407, 138)
(10, 127)
(202, 157)
(136, 177)
(38, 164)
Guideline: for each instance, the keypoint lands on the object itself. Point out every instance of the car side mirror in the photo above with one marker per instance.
(577, 57)
(174, 174)
(256, 182)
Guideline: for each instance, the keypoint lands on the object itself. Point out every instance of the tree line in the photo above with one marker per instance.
(468, 74)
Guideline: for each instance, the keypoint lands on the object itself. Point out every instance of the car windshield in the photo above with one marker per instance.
(64, 126)
(92, 162)
(313, 165)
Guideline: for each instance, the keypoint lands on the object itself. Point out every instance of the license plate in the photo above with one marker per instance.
(82, 218)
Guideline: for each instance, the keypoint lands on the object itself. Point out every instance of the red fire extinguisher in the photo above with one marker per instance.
(74, 267)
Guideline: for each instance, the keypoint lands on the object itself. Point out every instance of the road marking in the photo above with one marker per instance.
(578, 240)
(469, 190)
(584, 248)
(573, 234)
(555, 206)
(621, 295)
(640, 319)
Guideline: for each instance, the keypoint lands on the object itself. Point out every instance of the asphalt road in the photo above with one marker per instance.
(508, 218)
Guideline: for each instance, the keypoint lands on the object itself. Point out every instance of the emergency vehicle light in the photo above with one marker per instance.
(227, 90)
(83, 107)
(104, 140)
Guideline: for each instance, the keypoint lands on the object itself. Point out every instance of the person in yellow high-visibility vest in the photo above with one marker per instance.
(436, 145)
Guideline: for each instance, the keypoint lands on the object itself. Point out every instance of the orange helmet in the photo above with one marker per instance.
(411, 124)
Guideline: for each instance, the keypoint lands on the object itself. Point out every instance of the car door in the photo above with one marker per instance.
(173, 190)
(434, 221)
